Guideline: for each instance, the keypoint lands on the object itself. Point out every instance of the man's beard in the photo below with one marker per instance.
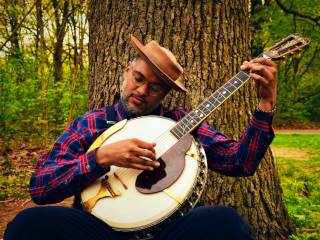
(133, 110)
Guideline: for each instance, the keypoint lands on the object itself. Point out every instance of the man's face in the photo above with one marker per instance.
(136, 99)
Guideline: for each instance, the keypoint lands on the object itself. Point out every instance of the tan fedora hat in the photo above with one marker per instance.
(161, 61)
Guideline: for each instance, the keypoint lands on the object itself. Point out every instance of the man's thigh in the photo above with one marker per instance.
(57, 223)
(208, 222)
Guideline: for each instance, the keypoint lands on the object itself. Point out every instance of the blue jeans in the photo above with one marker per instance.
(52, 222)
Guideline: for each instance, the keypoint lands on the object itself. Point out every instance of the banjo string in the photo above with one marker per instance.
(124, 173)
(160, 141)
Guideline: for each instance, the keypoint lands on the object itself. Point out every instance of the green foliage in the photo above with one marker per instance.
(6, 162)
(298, 81)
(294, 176)
(13, 183)
(21, 110)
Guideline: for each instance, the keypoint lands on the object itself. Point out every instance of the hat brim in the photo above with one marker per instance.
(175, 84)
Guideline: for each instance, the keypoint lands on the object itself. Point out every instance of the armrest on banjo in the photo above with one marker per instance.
(172, 164)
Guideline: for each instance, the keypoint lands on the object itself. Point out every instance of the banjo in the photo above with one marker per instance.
(139, 203)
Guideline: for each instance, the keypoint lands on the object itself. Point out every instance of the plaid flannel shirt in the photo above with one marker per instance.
(68, 168)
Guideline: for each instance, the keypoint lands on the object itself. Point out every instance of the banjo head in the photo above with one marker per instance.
(136, 214)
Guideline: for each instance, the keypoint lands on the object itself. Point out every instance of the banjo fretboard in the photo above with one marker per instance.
(192, 120)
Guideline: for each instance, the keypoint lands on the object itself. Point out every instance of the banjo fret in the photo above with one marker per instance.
(195, 117)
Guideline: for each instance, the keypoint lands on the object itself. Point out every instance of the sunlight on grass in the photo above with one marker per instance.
(309, 141)
(297, 177)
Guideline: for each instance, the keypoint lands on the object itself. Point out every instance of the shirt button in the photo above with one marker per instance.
(88, 167)
(66, 181)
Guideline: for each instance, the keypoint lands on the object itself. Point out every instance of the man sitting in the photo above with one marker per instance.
(68, 168)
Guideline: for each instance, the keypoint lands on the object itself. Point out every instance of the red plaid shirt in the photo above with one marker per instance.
(68, 168)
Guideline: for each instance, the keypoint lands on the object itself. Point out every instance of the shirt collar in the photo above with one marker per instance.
(123, 114)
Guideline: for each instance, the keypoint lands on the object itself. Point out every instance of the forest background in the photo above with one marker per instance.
(44, 70)
(44, 86)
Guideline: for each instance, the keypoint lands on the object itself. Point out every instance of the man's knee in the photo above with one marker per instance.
(213, 213)
(221, 217)
(39, 215)
(17, 227)
(54, 222)
(208, 222)
(35, 219)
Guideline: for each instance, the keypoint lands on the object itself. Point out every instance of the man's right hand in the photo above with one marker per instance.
(126, 153)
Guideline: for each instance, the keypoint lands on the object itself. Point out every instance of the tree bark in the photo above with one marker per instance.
(210, 40)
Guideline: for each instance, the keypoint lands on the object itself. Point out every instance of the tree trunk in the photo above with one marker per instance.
(210, 39)
(82, 30)
(60, 33)
(15, 39)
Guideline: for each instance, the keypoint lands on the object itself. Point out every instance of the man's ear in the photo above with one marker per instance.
(126, 70)
(166, 92)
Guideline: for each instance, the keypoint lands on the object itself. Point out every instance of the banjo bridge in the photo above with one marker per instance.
(105, 191)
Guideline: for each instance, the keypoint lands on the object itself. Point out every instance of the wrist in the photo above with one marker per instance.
(266, 111)
(266, 105)
(101, 160)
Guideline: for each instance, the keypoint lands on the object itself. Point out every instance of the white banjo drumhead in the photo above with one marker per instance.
(133, 210)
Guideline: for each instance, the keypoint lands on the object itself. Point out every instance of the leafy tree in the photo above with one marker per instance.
(298, 80)
(33, 103)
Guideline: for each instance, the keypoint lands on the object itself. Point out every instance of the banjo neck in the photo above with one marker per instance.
(194, 118)
(285, 48)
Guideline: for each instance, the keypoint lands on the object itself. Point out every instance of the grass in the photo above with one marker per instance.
(13, 182)
(308, 141)
(2, 229)
(296, 178)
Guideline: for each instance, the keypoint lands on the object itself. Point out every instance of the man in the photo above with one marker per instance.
(67, 168)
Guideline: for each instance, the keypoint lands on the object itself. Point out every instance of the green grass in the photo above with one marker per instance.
(294, 174)
(13, 182)
(309, 141)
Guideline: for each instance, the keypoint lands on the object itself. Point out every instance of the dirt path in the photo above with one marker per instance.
(298, 131)
(300, 154)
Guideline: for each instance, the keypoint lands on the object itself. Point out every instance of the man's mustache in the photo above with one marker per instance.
(135, 95)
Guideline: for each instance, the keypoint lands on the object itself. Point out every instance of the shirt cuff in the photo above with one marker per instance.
(91, 166)
(263, 121)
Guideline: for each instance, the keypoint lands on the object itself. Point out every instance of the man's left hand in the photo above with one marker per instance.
(264, 73)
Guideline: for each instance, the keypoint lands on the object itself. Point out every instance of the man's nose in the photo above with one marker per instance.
(143, 90)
